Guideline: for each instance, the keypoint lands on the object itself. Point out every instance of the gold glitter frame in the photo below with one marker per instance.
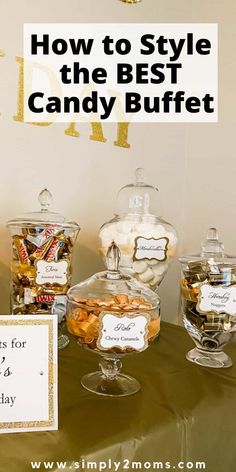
(50, 422)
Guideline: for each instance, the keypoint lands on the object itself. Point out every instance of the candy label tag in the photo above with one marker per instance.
(217, 299)
(51, 272)
(150, 248)
(123, 332)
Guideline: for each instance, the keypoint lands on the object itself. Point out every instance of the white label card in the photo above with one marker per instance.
(217, 299)
(150, 248)
(123, 332)
(28, 373)
(51, 272)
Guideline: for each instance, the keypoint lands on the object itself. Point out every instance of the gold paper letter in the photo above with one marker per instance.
(97, 134)
(71, 131)
(20, 102)
(122, 135)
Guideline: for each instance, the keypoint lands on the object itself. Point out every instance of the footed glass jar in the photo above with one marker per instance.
(208, 301)
(111, 314)
(147, 242)
(41, 268)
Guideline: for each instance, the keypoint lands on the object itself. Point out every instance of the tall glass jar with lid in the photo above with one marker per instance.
(41, 267)
(147, 242)
(208, 301)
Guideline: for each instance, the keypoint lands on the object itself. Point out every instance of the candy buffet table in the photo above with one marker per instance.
(183, 413)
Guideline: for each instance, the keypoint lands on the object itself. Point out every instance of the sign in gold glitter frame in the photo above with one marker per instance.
(51, 376)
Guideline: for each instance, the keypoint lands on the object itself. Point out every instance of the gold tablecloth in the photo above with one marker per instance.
(183, 413)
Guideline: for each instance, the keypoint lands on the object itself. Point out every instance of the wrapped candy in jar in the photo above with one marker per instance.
(147, 243)
(208, 301)
(111, 314)
(41, 268)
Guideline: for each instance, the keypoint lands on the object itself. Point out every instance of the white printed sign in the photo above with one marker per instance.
(150, 248)
(28, 374)
(217, 299)
(130, 72)
(128, 331)
(51, 272)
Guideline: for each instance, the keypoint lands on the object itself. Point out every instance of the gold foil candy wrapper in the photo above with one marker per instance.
(23, 274)
(40, 252)
(196, 272)
(189, 293)
(21, 249)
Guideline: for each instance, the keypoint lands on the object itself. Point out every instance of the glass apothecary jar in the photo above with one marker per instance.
(147, 242)
(111, 314)
(208, 301)
(41, 268)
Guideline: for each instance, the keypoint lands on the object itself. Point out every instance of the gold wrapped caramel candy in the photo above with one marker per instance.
(84, 322)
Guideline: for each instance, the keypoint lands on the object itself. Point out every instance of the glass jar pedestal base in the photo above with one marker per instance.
(63, 341)
(122, 386)
(217, 360)
(109, 381)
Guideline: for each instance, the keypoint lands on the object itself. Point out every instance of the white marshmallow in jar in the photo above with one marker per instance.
(147, 242)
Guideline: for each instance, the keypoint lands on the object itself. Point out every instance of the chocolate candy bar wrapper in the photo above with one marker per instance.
(53, 245)
(210, 330)
(83, 319)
